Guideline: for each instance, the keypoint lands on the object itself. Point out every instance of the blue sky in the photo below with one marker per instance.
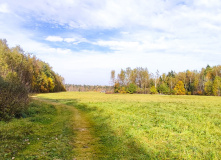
(83, 40)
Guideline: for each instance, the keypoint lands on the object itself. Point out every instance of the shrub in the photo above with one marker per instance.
(153, 90)
(132, 88)
(13, 98)
(199, 93)
(163, 88)
(123, 90)
(172, 92)
(189, 93)
(116, 87)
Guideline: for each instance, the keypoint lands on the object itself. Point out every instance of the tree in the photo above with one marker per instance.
(112, 77)
(153, 90)
(144, 78)
(216, 86)
(156, 78)
(163, 88)
(171, 80)
(121, 77)
(132, 88)
(21, 74)
(117, 87)
(179, 88)
(207, 81)
(128, 74)
(112, 81)
(208, 88)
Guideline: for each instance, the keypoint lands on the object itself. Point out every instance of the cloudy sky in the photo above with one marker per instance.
(83, 40)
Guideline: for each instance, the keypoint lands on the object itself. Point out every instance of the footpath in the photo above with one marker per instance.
(85, 145)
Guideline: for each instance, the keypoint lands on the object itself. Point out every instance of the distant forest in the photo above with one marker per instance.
(88, 88)
(21, 74)
(139, 80)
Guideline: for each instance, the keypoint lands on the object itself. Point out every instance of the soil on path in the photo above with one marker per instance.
(85, 144)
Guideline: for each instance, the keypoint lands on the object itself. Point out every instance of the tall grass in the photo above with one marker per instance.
(151, 126)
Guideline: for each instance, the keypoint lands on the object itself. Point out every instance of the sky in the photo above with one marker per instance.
(83, 40)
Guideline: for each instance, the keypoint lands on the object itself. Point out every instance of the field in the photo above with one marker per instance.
(117, 126)
(150, 126)
(43, 133)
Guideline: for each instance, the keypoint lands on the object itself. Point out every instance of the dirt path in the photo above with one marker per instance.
(85, 145)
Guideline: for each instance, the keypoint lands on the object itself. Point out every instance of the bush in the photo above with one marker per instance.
(123, 90)
(153, 90)
(163, 88)
(13, 99)
(199, 93)
(189, 93)
(132, 88)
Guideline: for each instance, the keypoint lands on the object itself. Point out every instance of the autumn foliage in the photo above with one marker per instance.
(21, 74)
(204, 82)
(179, 88)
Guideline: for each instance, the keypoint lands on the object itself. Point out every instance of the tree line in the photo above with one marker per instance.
(139, 80)
(88, 88)
(21, 74)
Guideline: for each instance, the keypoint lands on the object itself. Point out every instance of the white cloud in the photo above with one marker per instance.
(166, 15)
(4, 8)
(69, 40)
(54, 39)
(118, 45)
(87, 14)
(75, 40)
(156, 34)
(208, 3)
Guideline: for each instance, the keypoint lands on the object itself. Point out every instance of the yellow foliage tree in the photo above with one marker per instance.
(50, 84)
(153, 90)
(216, 86)
(179, 88)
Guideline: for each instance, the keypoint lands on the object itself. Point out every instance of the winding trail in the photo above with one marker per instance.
(85, 144)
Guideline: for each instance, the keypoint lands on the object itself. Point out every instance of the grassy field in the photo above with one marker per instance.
(44, 133)
(150, 126)
(76, 125)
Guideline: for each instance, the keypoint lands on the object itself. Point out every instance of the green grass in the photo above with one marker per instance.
(151, 126)
(44, 133)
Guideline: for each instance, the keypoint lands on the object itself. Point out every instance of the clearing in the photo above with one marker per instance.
(89, 125)
(150, 126)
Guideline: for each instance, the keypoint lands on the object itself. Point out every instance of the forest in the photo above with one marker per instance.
(21, 74)
(89, 88)
(139, 80)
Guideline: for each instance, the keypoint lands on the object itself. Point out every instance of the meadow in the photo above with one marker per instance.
(44, 132)
(149, 126)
